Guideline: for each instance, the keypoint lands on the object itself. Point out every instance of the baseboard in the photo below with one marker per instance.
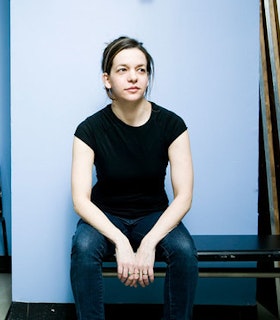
(59, 311)
(5, 264)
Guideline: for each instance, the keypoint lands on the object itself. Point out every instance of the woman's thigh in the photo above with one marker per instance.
(89, 242)
(141, 226)
(178, 240)
(177, 243)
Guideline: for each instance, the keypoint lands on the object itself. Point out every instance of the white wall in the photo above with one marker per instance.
(206, 56)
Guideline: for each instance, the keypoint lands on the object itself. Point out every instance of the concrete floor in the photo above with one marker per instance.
(5, 294)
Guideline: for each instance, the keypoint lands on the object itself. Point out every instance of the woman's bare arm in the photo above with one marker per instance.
(82, 166)
(181, 170)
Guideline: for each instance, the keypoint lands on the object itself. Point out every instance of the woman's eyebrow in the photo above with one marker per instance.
(126, 65)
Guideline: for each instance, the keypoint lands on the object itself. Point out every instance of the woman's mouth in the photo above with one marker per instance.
(132, 89)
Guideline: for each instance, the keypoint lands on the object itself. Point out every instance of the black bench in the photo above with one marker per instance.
(228, 248)
(224, 256)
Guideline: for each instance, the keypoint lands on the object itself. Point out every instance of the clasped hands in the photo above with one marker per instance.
(133, 278)
(136, 268)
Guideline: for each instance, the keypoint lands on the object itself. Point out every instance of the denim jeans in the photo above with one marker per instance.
(177, 249)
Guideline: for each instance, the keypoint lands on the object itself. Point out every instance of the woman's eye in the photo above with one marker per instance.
(121, 70)
(142, 70)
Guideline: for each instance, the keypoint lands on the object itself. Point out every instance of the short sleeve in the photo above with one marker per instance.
(85, 132)
(175, 126)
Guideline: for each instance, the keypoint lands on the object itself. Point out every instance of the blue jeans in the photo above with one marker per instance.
(177, 249)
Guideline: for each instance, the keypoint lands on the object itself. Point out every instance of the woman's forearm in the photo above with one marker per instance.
(170, 218)
(91, 214)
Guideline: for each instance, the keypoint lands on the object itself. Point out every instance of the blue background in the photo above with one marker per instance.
(206, 58)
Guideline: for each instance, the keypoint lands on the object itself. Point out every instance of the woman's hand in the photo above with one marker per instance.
(144, 267)
(125, 257)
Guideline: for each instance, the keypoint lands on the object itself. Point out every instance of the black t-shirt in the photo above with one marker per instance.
(130, 161)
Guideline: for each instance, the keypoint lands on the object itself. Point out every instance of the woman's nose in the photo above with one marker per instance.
(132, 76)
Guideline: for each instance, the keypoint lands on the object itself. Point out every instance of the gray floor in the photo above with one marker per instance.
(265, 315)
(6, 297)
(5, 294)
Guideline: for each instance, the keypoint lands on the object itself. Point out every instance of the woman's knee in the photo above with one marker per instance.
(86, 240)
(187, 251)
(179, 245)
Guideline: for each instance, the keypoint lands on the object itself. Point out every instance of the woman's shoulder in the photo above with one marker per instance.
(163, 112)
(91, 128)
(93, 122)
(171, 124)
(97, 116)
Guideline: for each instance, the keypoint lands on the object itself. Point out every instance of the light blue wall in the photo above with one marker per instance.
(206, 56)
(5, 133)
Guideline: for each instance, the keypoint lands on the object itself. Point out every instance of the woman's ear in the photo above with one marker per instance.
(106, 80)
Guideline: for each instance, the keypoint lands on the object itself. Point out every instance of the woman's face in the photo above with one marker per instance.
(128, 79)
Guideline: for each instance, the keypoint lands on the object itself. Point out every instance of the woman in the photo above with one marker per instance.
(130, 142)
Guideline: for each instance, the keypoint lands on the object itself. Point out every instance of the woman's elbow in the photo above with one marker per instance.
(185, 199)
(79, 203)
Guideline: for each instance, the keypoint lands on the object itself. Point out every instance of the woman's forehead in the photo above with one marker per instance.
(130, 56)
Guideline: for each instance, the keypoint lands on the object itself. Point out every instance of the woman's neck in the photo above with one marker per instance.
(132, 113)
